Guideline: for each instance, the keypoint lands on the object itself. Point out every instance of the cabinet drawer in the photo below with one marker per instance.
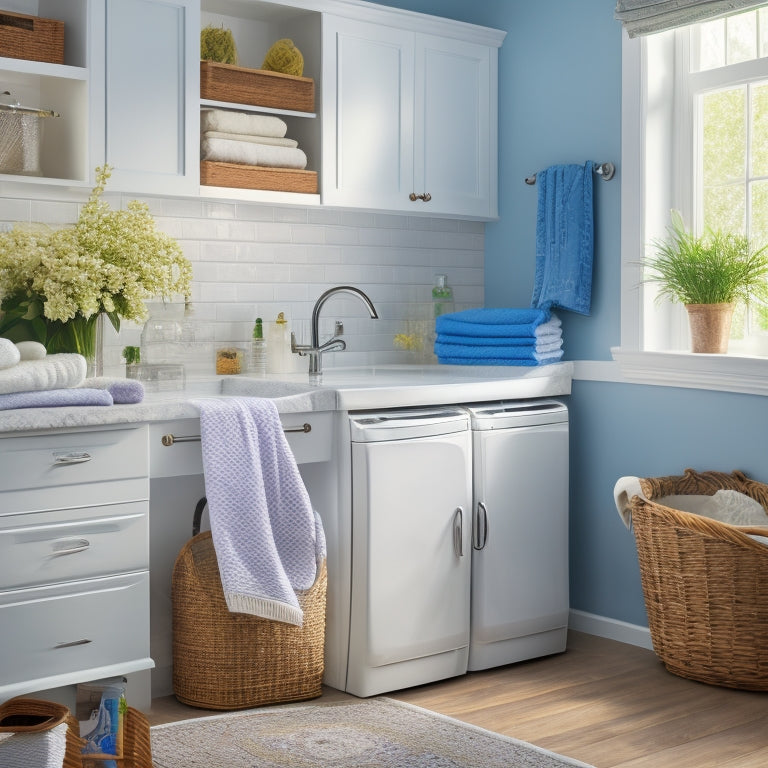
(49, 547)
(74, 469)
(83, 625)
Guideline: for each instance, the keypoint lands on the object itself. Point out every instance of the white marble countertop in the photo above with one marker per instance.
(346, 389)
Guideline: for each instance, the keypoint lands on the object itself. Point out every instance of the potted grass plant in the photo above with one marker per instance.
(709, 274)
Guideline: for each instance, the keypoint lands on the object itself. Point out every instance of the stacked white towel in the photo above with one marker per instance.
(499, 337)
(248, 139)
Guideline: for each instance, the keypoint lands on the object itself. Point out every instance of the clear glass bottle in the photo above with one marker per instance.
(258, 362)
(442, 296)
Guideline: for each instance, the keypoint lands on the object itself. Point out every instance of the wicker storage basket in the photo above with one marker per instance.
(705, 583)
(216, 174)
(137, 752)
(31, 37)
(224, 660)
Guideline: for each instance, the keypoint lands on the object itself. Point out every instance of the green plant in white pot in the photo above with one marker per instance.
(709, 274)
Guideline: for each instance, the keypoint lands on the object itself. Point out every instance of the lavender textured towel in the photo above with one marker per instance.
(267, 537)
(564, 238)
(123, 391)
(55, 398)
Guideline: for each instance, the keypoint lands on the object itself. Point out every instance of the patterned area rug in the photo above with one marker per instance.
(370, 733)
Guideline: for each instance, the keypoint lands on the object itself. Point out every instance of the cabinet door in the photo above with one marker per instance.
(410, 593)
(456, 126)
(367, 114)
(152, 93)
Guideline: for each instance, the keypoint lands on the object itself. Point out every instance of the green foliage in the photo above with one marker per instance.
(217, 44)
(717, 267)
(132, 355)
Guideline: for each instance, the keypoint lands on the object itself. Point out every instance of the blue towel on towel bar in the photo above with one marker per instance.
(564, 238)
(506, 323)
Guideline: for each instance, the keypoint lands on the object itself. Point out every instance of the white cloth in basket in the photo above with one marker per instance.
(269, 541)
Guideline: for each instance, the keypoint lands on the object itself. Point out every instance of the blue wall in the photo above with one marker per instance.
(560, 102)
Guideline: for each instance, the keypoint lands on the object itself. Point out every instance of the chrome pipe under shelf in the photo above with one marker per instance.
(169, 440)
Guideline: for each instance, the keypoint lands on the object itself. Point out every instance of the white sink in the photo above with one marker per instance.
(394, 386)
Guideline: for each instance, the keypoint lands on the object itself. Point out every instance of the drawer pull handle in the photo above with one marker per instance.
(70, 547)
(73, 643)
(73, 457)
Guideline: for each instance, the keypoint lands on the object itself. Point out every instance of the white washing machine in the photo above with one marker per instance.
(520, 598)
(411, 540)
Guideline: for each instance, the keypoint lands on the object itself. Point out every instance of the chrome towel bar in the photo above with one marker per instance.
(606, 171)
(168, 440)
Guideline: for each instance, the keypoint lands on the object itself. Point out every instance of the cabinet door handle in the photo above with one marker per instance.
(70, 547)
(478, 542)
(458, 532)
(73, 643)
(73, 457)
(425, 198)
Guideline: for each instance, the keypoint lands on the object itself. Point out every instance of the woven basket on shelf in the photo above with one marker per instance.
(705, 583)
(23, 715)
(224, 660)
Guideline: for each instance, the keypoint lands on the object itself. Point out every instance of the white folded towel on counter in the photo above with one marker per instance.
(241, 122)
(52, 372)
(246, 153)
(272, 140)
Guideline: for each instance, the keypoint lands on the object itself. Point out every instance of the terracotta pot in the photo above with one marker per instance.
(710, 327)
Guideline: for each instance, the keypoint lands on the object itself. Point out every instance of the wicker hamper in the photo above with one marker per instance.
(27, 715)
(224, 660)
(705, 583)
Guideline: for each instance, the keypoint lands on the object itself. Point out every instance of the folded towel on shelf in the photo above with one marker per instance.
(271, 140)
(52, 372)
(247, 153)
(55, 398)
(505, 323)
(123, 391)
(507, 352)
(546, 336)
(242, 122)
(543, 360)
(269, 542)
(564, 238)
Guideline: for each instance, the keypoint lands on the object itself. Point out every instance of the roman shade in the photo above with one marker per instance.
(644, 17)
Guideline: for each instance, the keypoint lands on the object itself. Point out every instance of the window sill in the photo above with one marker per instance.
(724, 373)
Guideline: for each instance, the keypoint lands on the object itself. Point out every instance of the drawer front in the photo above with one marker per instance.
(55, 630)
(49, 547)
(66, 459)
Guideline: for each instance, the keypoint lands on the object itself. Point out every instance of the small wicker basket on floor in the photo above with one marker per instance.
(137, 752)
(705, 582)
(224, 660)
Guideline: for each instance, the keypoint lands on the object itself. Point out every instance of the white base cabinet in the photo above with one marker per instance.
(74, 558)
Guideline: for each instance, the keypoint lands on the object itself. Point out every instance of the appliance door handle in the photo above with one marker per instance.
(458, 532)
(479, 543)
(72, 457)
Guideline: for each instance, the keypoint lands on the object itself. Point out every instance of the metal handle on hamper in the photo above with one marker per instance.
(458, 532)
(73, 457)
(476, 541)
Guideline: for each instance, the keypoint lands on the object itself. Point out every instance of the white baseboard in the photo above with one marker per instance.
(613, 629)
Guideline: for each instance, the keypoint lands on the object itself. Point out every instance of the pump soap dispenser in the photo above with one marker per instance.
(442, 296)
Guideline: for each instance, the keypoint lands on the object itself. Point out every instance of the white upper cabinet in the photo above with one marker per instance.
(409, 120)
(152, 53)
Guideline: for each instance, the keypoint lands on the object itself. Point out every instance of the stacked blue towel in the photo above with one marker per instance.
(499, 337)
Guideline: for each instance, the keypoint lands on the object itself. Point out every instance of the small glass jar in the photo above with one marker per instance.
(229, 360)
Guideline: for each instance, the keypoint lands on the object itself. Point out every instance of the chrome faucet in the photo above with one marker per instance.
(315, 350)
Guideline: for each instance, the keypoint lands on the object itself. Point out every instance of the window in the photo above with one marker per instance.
(695, 138)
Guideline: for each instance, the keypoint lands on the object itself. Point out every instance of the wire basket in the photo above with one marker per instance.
(225, 660)
(21, 131)
(705, 582)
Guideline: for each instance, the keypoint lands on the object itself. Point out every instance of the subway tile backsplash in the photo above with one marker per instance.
(253, 259)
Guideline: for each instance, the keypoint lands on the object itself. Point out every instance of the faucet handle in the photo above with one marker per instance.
(338, 328)
(298, 349)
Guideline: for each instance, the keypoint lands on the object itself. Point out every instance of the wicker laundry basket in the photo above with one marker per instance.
(19, 715)
(224, 660)
(705, 583)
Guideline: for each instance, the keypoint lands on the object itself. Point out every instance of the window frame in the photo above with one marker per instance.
(640, 175)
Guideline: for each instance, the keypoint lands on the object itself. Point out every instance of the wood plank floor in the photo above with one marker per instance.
(606, 703)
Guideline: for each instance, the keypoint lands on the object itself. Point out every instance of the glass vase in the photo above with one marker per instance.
(83, 335)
